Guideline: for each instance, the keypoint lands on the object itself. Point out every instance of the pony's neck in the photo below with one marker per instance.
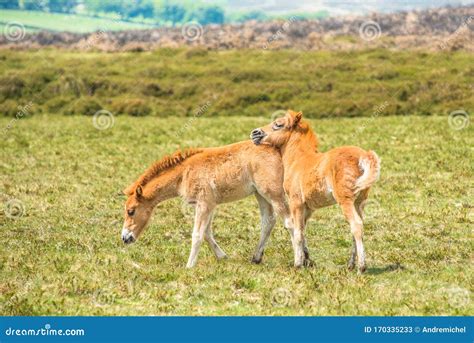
(302, 144)
(164, 186)
(162, 180)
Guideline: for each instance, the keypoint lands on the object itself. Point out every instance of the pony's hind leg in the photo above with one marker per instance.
(267, 222)
(356, 224)
(359, 206)
(202, 219)
(352, 258)
(209, 236)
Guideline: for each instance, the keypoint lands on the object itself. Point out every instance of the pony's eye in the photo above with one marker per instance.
(131, 211)
(277, 126)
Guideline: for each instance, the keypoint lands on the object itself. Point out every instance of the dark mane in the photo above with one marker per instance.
(165, 163)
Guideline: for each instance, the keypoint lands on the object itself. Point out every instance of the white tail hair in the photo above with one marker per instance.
(370, 165)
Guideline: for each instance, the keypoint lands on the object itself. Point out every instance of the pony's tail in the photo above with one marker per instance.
(370, 166)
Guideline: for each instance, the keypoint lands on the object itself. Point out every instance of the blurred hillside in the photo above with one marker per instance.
(433, 29)
(189, 82)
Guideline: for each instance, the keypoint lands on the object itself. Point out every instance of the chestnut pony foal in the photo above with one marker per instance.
(207, 177)
(313, 179)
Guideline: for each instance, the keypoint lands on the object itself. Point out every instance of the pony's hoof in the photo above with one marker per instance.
(350, 265)
(256, 260)
(308, 263)
(361, 269)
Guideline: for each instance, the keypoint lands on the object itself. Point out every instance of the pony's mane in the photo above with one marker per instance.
(310, 137)
(165, 163)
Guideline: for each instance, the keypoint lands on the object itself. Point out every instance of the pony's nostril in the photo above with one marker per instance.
(256, 132)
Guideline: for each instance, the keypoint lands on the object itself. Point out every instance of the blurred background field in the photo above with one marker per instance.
(177, 82)
(92, 92)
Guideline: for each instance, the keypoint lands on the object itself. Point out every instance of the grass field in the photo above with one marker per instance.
(176, 82)
(62, 254)
(36, 20)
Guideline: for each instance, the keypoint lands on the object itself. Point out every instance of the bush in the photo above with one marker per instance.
(248, 76)
(9, 108)
(196, 52)
(11, 87)
(154, 89)
(57, 105)
(133, 107)
(85, 106)
(253, 99)
(283, 95)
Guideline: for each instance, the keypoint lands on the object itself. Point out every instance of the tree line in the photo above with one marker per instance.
(166, 12)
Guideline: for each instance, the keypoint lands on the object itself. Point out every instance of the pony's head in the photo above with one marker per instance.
(278, 132)
(158, 183)
(138, 210)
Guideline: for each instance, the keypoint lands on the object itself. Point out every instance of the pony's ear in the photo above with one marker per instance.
(293, 118)
(129, 190)
(139, 191)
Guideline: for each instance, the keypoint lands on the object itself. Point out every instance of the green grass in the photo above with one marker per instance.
(176, 82)
(64, 255)
(36, 20)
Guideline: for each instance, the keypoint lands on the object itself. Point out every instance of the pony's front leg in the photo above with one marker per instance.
(202, 219)
(298, 216)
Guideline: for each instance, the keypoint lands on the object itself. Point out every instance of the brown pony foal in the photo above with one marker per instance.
(314, 179)
(207, 177)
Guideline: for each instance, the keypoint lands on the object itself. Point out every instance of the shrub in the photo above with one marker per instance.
(56, 105)
(85, 106)
(154, 89)
(248, 76)
(11, 87)
(133, 107)
(185, 91)
(9, 108)
(253, 99)
(283, 95)
(196, 52)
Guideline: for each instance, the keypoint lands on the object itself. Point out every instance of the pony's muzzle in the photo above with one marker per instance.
(257, 135)
(127, 236)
